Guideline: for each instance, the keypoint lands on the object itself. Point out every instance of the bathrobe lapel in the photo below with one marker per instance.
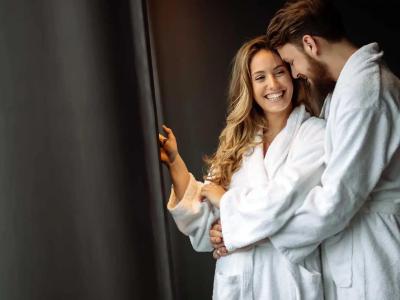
(279, 149)
(254, 167)
(258, 170)
(261, 169)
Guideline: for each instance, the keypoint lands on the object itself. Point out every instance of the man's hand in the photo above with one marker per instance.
(217, 240)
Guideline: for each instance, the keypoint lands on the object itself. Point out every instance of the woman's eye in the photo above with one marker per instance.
(280, 73)
(259, 78)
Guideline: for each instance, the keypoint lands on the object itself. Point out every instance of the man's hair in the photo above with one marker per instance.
(300, 17)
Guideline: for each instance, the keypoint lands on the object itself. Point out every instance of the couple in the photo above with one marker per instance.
(282, 182)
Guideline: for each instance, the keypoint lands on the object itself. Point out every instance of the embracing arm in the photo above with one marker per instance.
(364, 140)
(251, 215)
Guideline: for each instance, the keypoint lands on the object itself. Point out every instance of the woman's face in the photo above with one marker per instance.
(272, 83)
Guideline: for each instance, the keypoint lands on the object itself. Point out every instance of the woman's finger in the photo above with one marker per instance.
(168, 131)
(215, 254)
(162, 139)
(204, 190)
(222, 251)
(206, 187)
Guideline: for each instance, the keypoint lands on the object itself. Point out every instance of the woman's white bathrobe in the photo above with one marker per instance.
(265, 192)
(360, 193)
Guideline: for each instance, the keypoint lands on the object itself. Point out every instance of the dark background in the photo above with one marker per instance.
(84, 85)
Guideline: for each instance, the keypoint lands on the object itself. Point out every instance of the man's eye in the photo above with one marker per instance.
(280, 73)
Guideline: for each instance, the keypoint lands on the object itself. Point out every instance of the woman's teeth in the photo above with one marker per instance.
(274, 97)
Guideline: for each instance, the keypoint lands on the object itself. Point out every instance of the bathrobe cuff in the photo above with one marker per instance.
(190, 197)
(193, 216)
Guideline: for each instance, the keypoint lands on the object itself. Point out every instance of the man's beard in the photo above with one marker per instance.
(319, 81)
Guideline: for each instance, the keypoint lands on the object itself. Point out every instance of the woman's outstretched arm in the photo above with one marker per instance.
(170, 157)
(192, 215)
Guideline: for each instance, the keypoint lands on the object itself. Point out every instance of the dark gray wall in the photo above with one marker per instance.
(193, 45)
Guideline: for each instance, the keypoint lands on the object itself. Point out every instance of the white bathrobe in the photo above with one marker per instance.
(270, 189)
(357, 209)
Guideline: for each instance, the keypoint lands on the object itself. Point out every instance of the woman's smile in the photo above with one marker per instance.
(274, 96)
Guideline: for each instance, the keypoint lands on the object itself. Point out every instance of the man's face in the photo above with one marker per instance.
(297, 60)
(304, 66)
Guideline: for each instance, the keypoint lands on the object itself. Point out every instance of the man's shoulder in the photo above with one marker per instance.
(362, 90)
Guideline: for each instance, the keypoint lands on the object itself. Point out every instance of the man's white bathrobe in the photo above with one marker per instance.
(266, 188)
(357, 209)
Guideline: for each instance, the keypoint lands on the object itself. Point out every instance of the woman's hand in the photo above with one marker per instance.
(177, 169)
(168, 146)
(213, 192)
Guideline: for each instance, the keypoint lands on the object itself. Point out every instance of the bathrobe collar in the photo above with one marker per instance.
(261, 169)
(359, 61)
(325, 107)
(356, 64)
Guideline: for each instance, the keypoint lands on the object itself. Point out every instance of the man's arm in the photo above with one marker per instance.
(364, 140)
(249, 215)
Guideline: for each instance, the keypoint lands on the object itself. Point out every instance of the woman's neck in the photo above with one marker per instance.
(276, 122)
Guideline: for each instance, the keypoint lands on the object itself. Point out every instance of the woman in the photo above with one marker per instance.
(269, 157)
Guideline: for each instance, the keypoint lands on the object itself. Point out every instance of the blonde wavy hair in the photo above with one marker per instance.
(245, 118)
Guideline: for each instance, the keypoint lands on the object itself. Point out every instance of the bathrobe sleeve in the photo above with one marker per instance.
(249, 215)
(364, 141)
(193, 216)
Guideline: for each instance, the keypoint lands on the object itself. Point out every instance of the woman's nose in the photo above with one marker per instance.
(272, 82)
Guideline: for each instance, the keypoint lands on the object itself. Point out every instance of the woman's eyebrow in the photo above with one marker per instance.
(279, 66)
(258, 72)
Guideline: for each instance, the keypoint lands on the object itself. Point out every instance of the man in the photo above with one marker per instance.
(355, 214)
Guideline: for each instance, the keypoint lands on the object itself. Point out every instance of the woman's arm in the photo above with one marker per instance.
(192, 216)
(179, 176)
(176, 166)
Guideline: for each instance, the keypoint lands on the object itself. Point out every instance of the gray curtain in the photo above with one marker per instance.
(80, 196)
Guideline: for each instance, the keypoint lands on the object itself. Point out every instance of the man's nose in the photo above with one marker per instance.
(295, 74)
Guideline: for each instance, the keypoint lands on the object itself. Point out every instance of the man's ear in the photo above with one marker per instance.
(310, 45)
